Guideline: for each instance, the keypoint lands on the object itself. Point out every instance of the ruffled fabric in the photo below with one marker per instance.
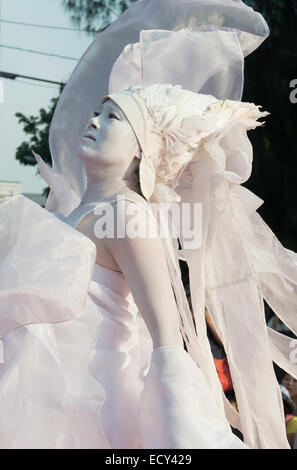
(177, 392)
(227, 112)
(171, 125)
(239, 264)
(218, 117)
(224, 277)
(75, 347)
(28, 295)
(79, 367)
(62, 199)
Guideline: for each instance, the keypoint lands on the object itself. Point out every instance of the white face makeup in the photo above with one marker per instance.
(108, 138)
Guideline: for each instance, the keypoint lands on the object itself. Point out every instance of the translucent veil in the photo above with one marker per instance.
(201, 45)
(222, 76)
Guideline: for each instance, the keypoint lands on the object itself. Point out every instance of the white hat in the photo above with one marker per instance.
(170, 123)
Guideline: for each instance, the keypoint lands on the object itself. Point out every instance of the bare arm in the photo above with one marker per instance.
(143, 263)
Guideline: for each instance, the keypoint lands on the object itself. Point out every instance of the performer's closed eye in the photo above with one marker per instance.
(114, 116)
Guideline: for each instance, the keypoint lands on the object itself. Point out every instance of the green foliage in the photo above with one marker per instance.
(92, 15)
(95, 15)
(37, 127)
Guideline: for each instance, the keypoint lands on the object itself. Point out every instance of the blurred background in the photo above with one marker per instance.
(43, 39)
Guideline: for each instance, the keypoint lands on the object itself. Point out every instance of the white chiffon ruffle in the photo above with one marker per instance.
(79, 368)
(194, 421)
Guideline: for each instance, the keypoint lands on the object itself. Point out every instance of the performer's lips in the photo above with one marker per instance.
(90, 136)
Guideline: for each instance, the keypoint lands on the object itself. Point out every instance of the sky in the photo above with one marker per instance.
(25, 96)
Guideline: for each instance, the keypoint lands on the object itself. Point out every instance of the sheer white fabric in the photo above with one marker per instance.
(223, 270)
(139, 62)
(79, 367)
(240, 261)
(90, 78)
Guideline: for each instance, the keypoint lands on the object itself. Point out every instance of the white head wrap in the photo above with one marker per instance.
(199, 45)
(169, 123)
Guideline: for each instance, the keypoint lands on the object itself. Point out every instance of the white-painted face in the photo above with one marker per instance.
(108, 138)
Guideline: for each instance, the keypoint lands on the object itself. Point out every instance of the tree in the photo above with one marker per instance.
(92, 15)
(95, 15)
(37, 127)
(87, 14)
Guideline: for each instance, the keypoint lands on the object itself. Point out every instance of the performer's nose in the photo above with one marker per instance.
(93, 123)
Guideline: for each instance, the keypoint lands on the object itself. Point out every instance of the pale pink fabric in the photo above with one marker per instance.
(240, 263)
(232, 281)
(79, 369)
(224, 31)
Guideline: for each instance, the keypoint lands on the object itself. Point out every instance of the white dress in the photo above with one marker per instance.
(78, 368)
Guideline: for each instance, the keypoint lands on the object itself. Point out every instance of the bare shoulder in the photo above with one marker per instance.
(123, 224)
(136, 246)
(131, 220)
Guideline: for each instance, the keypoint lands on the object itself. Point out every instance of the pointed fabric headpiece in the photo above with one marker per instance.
(170, 123)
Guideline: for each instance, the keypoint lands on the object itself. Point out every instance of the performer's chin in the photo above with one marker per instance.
(87, 152)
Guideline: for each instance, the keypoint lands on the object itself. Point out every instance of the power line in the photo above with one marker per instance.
(38, 52)
(34, 25)
(13, 76)
(36, 84)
